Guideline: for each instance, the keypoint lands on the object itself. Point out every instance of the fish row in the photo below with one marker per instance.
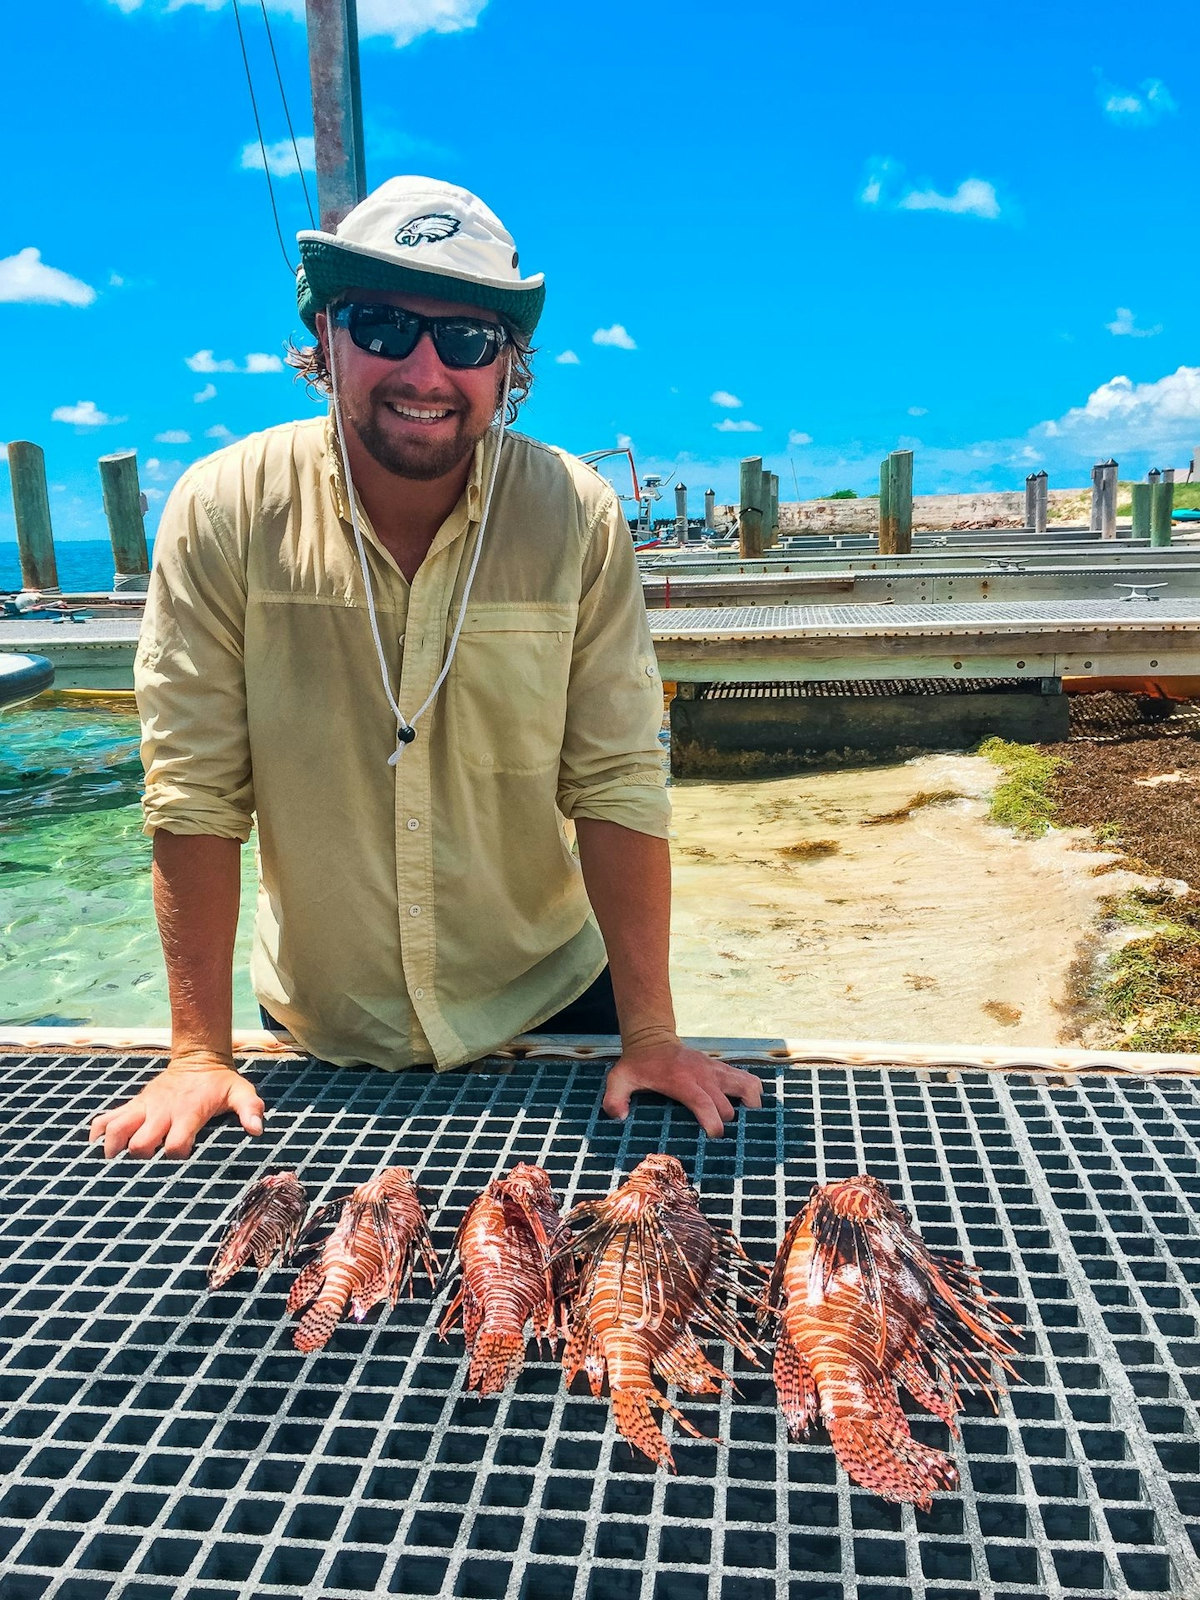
(635, 1283)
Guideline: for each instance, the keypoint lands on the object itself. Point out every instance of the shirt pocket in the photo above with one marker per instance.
(509, 687)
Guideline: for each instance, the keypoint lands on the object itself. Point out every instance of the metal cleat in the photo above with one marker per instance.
(1139, 591)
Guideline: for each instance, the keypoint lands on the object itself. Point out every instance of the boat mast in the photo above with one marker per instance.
(337, 107)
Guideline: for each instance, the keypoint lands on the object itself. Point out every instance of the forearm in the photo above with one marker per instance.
(197, 881)
(628, 880)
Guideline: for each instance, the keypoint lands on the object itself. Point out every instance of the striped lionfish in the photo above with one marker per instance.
(505, 1248)
(653, 1269)
(367, 1258)
(266, 1224)
(863, 1305)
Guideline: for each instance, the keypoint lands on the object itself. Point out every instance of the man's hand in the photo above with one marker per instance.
(706, 1087)
(170, 1111)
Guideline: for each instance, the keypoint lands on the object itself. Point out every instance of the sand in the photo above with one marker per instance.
(940, 927)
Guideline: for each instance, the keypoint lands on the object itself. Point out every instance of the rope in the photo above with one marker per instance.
(406, 727)
(237, 17)
(312, 221)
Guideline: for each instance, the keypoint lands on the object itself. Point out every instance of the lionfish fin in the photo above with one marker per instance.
(495, 1361)
(796, 1386)
(881, 1454)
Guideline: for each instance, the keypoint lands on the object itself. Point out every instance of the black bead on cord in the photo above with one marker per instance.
(405, 735)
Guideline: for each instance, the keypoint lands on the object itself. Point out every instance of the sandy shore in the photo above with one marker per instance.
(936, 927)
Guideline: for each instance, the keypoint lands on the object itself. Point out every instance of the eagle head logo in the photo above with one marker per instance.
(428, 229)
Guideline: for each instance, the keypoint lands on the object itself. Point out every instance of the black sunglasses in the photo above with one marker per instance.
(394, 333)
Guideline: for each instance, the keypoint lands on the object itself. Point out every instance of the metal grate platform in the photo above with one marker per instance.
(867, 688)
(986, 616)
(162, 1443)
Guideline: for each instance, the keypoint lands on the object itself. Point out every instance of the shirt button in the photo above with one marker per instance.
(418, 994)
(414, 911)
(412, 824)
(649, 672)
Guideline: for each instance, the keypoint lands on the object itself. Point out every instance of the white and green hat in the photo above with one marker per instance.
(420, 236)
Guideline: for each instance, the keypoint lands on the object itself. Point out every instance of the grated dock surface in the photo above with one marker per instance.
(159, 1442)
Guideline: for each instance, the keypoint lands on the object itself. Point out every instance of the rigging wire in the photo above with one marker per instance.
(312, 221)
(237, 16)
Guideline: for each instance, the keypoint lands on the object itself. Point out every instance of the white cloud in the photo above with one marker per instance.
(1124, 323)
(220, 433)
(1136, 108)
(25, 279)
(173, 436)
(154, 494)
(918, 411)
(973, 198)
(615, 336)
(1122, 415)
(401, 21)
(728, 425)
(796, 437)
(84, 414)
(209, 392)
(115, 281)
(722, 397)
(281, 157)
(203, 361)
(624, 442)
(259, 361)
(567, 359)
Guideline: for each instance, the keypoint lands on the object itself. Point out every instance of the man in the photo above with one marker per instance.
(408, 646)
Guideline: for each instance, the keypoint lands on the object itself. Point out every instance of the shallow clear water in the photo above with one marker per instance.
(77, 937)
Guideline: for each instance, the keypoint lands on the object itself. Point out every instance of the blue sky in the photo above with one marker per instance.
(972, 233)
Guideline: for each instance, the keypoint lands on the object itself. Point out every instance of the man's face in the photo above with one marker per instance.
(415, 417)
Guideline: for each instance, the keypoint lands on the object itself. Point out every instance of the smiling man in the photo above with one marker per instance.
(411, 647)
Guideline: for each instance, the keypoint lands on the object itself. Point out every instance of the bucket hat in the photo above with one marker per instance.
(420, 236)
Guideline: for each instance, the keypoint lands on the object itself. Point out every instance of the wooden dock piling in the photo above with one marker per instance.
(1104, 499)
(1140, 508)
(770, 509)
(1162, 503)
(124, 510)
(750, 508)
(896, 504)
(710, 510)
(31, 507)
(1037, 501)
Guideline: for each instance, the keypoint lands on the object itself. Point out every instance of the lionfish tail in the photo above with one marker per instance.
(635, 1422)
(880, 1454)
(316, 1325)
(496, 1360)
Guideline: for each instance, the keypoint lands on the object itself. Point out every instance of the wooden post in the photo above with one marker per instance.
(1140, 494)
(710, 510)
(770, 509)
(1041, 504)
(886, 542)
(1030, 499)
(123, 508)
(1104, 499)
(900, 506)
(1162, 503)
(681, 512)
(31, 507)
(750, 508)
(337, 107)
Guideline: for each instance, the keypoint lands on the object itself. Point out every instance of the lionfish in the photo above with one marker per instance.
(367, 1258)
(653, 1269)
(266, 1224)
(505, 1248)
(863, 1305)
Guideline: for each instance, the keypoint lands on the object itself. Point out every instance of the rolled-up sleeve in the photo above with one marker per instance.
(190, 678)
(612, 766)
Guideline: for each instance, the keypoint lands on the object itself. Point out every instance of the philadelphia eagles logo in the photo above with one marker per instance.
(428, 229)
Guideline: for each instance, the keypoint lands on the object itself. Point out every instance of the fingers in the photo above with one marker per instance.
(706, 1112)
(121, 1125)
(244, 1100)
(616, 1094)
(743, 1086)
(181, 1137)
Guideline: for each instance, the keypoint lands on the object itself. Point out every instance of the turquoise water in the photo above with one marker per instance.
(78, 942)
(84, 565)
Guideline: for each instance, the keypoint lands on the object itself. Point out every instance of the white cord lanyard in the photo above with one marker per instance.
(406, 730)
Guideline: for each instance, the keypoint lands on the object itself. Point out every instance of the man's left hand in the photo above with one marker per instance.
(706, 1087)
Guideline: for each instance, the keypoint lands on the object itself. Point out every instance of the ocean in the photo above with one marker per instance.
(83, 565)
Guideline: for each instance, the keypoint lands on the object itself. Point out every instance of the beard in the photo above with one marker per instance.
(417, 458)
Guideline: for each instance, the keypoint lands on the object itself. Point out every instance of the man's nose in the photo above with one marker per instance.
(423, 367)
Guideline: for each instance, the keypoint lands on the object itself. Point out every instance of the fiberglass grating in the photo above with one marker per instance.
(161, 1443)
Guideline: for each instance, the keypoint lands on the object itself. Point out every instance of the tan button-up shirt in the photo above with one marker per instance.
(431, 910)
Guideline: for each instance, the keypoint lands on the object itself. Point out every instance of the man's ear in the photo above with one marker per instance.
(322, 321)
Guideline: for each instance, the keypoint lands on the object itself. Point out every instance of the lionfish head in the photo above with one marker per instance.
(860, 1199)
(528, 1182)
(662, 1174)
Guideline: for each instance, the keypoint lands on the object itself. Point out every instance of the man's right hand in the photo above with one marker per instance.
(173, 1107)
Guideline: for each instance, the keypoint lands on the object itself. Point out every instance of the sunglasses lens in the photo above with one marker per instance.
(466, 344)
(384, 330)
